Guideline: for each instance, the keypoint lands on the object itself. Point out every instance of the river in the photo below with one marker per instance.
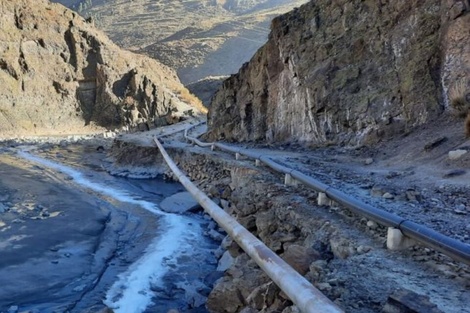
(74, 238)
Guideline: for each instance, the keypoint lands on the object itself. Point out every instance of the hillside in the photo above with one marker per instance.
(197, 38)
(350, 73)
(59, 73)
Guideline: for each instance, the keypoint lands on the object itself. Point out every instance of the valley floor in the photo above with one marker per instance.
(411, 176)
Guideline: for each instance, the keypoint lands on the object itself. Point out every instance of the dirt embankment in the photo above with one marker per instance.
(341, 254)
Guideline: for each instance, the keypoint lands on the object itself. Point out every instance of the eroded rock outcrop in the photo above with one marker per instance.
(58, 73)
(348, 72)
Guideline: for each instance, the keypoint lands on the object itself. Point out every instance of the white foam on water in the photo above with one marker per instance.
(131, 293)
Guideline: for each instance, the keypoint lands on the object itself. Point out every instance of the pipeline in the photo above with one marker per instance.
(305, 296)
(453, 248)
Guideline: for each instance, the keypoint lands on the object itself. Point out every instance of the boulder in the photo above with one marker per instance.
(179, 203)
(300, 258)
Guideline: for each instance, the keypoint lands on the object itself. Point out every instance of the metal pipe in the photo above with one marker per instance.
(223, 147)
(380, 216)
(428, 237)
(306, 297)
(453, 248)
(275, 166)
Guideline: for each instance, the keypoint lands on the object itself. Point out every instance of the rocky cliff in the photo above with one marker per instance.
(349, 72)
(58, 73)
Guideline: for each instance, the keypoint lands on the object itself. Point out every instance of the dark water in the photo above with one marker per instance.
(73, 237)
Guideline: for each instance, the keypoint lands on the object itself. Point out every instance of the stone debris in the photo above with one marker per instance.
(372, 224)
(406, 301)
(388, 196)
(457, 154)
(454, 173)
(435, 143)
(225, 262)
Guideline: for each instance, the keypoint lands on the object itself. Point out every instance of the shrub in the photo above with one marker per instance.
(460, 98)
(186, 96)
(467, 126)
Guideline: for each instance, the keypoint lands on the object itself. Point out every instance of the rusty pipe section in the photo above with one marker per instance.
(305, 296)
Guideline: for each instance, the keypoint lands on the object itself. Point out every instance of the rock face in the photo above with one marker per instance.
(348, 72)
(58, 73)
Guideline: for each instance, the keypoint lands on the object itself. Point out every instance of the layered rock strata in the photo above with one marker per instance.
(349, 72)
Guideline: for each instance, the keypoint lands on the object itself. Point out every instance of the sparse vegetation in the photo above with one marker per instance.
(186, 96)
(459, 96)
(467, 126)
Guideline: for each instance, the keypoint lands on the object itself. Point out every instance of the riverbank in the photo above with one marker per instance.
(55, 235)
(95, 240)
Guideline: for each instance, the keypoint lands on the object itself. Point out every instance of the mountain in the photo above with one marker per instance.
(197, 38)
(349, 72)
(58, 73)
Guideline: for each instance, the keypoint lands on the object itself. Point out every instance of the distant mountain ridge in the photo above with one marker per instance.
(196, 38)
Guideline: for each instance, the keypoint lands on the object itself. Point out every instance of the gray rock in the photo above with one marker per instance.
(403, 300)
(363, 249)
(225, 262)
(372, 224)
(388, 196)
(215, 235)
(369, 161)
(341, 247)
(300, 257)
(454, 173)
(413, 195)
(457, 154)
(291, 309)
(461, 210)
(324, 286)
(179, 203)
(377, 191)
(434, 143)
(3, 208)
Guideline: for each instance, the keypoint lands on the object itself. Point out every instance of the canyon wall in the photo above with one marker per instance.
(58, 74)
(349, 72)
